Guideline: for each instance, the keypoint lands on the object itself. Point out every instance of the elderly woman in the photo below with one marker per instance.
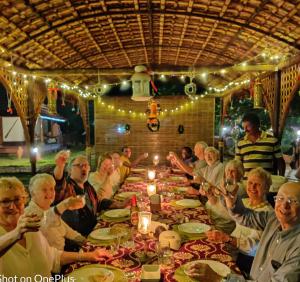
(115, 177)
(101, 179)
(245, 238)
(42, 192)
(24, 251)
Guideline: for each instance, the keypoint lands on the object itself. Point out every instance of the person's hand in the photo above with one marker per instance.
(96, 255)
(192, 191)
(230, 198)
(62, 157)
(74, 203)
(28, 222)
(217, 236)
(145, 155)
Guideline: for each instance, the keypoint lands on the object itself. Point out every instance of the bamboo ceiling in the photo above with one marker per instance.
(72, 39)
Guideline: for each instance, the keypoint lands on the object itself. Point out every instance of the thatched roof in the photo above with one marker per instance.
(75, 38)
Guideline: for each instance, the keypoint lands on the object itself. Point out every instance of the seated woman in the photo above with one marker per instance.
(115, 177)
(245, 238)
(100, 179)
(56, 231)
(24, 251)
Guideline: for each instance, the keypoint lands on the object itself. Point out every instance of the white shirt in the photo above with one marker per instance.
(54, 228)
(248, 238)
(37, 258)
(101, 184)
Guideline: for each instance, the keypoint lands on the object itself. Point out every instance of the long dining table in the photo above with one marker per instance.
(171, 185)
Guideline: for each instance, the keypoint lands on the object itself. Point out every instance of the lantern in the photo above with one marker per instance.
(258, 95)
(140, 84)
(144, 222)
(151, 189)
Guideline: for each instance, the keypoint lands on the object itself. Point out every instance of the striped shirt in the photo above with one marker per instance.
(261, 153)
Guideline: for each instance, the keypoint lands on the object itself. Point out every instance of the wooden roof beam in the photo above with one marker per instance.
(156, 70)
(51, 27)
(150, 15)
(185, 25)
(136, 7)
(166, 13)
(161, 29)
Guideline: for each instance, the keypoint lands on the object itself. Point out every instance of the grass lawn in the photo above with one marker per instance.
(6, 161)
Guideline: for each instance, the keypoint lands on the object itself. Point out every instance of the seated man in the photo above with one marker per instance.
(278, 254)
(197, 165)
(127, 164)
(82, 220)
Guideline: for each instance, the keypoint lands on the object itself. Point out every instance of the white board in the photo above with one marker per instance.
(12, 129)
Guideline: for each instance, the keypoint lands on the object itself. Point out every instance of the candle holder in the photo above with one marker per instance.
(151, 189)
(151, 174)
(156, 160)
(144, 229)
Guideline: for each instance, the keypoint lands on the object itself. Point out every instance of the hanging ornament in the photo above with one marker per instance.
(153, 111)
(9, 108)
(141, 84)
(99, 89)
(52, 98)
(190, 89)
(78, 110)
(258, 95)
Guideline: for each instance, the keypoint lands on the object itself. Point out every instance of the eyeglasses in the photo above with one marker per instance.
(17, 201)
(290, 201)
(81, 165)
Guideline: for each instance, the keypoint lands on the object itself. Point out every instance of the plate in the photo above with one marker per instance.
(193, 227)
(138, 170)
(134, 179)
(177, 178)
(92, 274)
(102, 234)
(125, 195)
(218, 267)
(181, 189)
(176, 170)
(188, 203)
(117, 213)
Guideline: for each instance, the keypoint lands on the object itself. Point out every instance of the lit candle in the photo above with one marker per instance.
(151, 189)
(151, 174)
(144, 222)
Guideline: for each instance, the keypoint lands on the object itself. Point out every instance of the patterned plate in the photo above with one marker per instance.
(188, 203)
(193, 227)
(117, 213)
(92, 274)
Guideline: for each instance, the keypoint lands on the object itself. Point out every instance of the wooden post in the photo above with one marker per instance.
(276, 106)
(221, 141)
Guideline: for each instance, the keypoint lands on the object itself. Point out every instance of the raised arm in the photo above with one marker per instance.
(61, 159)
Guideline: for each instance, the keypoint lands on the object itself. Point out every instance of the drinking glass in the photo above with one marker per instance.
(164, 253)
(115, 245)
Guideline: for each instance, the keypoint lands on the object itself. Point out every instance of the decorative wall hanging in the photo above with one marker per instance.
(180, 129)
(258, 93)
(153, 111)
(52, 98)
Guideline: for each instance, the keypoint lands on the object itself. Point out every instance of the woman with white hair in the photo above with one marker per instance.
(244, 238)
(24, 251)
(100, 179)
(56, 231)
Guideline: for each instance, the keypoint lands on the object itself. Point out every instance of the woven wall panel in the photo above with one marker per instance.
(197, 119)
(289, 79)
(269, 95)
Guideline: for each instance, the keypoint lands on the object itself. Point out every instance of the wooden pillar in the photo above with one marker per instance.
(221, 141)
(276, 106)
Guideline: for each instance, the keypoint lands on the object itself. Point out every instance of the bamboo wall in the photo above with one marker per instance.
(197, 119)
